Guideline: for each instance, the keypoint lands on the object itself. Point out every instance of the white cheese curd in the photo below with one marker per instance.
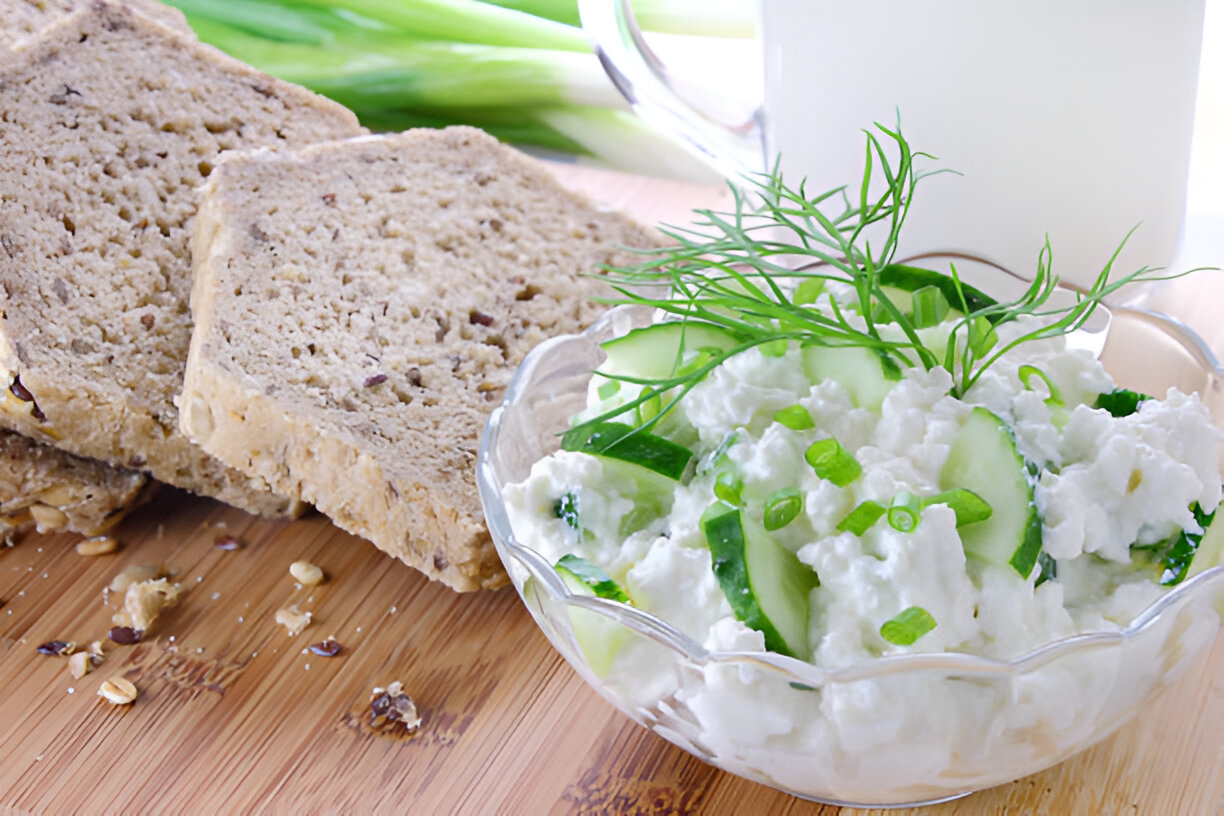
(1109, 493)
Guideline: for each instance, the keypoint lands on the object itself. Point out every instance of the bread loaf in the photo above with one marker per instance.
(110, 121)
(360, 307)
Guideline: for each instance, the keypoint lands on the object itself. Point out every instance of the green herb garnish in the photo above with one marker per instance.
(907, 626)
(755, 271)
(905, 512)
(831, 461)
(782, 507)
(727, 487)
(1121, 402)
(968, 506)
(862, 518)
(1174, 555)
(795, 417)
(566, 509)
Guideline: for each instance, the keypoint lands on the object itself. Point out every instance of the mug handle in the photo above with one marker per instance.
(733, 148)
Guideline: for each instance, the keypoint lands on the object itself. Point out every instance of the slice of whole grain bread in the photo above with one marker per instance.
(108, 123)
(360, 307)
(46, 488)
(22, 19)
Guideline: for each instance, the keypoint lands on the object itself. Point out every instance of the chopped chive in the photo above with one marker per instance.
(982, 336)
(774, 348)
(608, 389)
(593, 576)
(907, 626)
(795, 417)
(566, 509)
(929, 306)
(968, 506)
(727, 487)
(905, 512)
(782, 507)
(831, 461)
(862, 518)
(1026, 374)
(808, 291)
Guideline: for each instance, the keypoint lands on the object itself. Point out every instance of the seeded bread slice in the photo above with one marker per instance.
(21, 19)
(110, 122)
(360, 307)
(46, 488)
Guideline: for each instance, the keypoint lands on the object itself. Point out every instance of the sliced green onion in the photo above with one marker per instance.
(782, 507)
(862, 518)
(808, 291)
(1026, 374)
(774, 348)
(831, 461)
(727, 487)
(648, 409)
(968, 506)
(566, 509)
(608, 389)
(905, 512)
(593, 576)
(929, 305)
(907, 626)
(795, 417)
(982, 336)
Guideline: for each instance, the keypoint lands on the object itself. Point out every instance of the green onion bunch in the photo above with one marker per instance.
(522, 70)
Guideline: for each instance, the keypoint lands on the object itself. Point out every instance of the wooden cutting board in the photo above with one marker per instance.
(234, 717)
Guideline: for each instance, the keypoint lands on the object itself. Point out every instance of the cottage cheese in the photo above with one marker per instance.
(1105, 483)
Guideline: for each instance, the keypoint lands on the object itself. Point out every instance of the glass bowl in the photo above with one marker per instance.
(899, 730)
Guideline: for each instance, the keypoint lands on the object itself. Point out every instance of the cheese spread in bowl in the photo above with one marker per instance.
(873, 533)
(1017, 672)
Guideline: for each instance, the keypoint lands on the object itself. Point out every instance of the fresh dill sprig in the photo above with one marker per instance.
(742, 270)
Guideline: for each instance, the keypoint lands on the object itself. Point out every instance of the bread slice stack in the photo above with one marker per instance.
(222, 280)
(359, 309)
(109, 121)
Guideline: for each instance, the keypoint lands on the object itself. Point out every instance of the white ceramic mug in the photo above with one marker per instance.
(1066, 118)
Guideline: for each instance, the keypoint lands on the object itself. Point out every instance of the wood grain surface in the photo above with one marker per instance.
(233, 716)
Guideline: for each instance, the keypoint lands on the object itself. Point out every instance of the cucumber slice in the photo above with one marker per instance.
(600, 638)
(616, 440)
(657, 351)
(866, 374)
(984, 460)
(592, 575)
(900, 281)
(767, 586)
(1210, 549)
